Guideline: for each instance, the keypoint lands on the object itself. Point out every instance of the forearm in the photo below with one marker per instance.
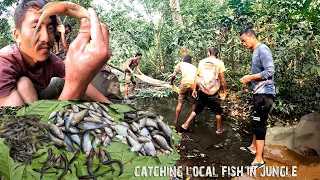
(138, 69)
(256, 77)
(224, 86)
(96, 95)
(72, 92)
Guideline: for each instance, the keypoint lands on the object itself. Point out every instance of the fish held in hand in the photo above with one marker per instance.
(62, 8)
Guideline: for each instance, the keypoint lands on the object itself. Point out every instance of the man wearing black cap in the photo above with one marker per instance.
(129, 77)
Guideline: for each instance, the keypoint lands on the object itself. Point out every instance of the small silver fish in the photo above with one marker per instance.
(149, 148)
(86, 143)
(96, 142)
(142, 122)
(144, 132)
(78, 117)
(87, 125)
(56, 131)
(162, 142)
(58, 142)
(109, 132)
(75, 108)
(131, 141)
(164, 128)
(76, 139)
(142, 139)
(136, 148)
(152, 123)
(53, 114)
(131, 134)
(121, 129)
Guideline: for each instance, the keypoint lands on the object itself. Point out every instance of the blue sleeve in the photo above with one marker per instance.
(267, 63)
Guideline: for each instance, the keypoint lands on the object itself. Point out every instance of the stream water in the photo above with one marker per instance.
(197, 147)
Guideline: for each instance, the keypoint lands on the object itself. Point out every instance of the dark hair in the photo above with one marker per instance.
(213, 51)
(248, 30)
(187, 59)
(68, 26)
(21, 9)
(138, 54)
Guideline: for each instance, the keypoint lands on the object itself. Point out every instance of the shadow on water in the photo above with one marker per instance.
(202, 146)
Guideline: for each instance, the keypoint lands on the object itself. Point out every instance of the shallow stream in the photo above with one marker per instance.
(202, 146)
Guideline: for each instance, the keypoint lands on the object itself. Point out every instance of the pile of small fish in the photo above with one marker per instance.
(89, 125)
(78, 123)
(60, 162)
(146, 133)
(24, 135)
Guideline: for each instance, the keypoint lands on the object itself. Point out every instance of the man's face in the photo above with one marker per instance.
(44, 39)
(138, 58)
(68, 30)
(247, 40)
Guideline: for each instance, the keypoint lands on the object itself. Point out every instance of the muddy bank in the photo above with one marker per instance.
(307, 167)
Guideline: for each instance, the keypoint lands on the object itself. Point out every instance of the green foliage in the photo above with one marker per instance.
(5, 34)
(150, 93)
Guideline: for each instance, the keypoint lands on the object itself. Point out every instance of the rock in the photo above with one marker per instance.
(282, 154)
(307, 132)
(303, 137)
(107, 83)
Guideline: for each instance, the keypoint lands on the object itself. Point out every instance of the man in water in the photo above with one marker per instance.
(188, 72)
(61, 37)
(133, 63)
(207, 80)
(262, 83)
(27, 71)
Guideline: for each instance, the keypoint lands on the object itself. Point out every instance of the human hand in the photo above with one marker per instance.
(245, 79)
(194, 94)
(86, 56)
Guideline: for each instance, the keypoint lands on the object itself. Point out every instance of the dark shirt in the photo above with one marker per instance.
(132, 64)
(12, 68)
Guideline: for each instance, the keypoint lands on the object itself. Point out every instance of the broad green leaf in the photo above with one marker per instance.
(307, 3)
(120, 108)
(7, 165)
(44, 108)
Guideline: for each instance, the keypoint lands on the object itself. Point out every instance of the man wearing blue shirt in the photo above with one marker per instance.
(262, 83)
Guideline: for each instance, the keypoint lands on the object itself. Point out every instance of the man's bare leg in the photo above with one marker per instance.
(260, 146)
(26, 90)
(190, 118)
(57, 47)
(193, 107)
(126, 90)
(14, 99)
(218, 119)
(132, 89)
(178, 111)
(253, 146)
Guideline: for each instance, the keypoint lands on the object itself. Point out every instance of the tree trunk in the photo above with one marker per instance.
(176, 16)
(232, 62)
(178, 22)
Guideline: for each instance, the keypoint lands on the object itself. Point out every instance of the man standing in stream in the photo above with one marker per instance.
(188, 71)
(262, 83)
(133, 63)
